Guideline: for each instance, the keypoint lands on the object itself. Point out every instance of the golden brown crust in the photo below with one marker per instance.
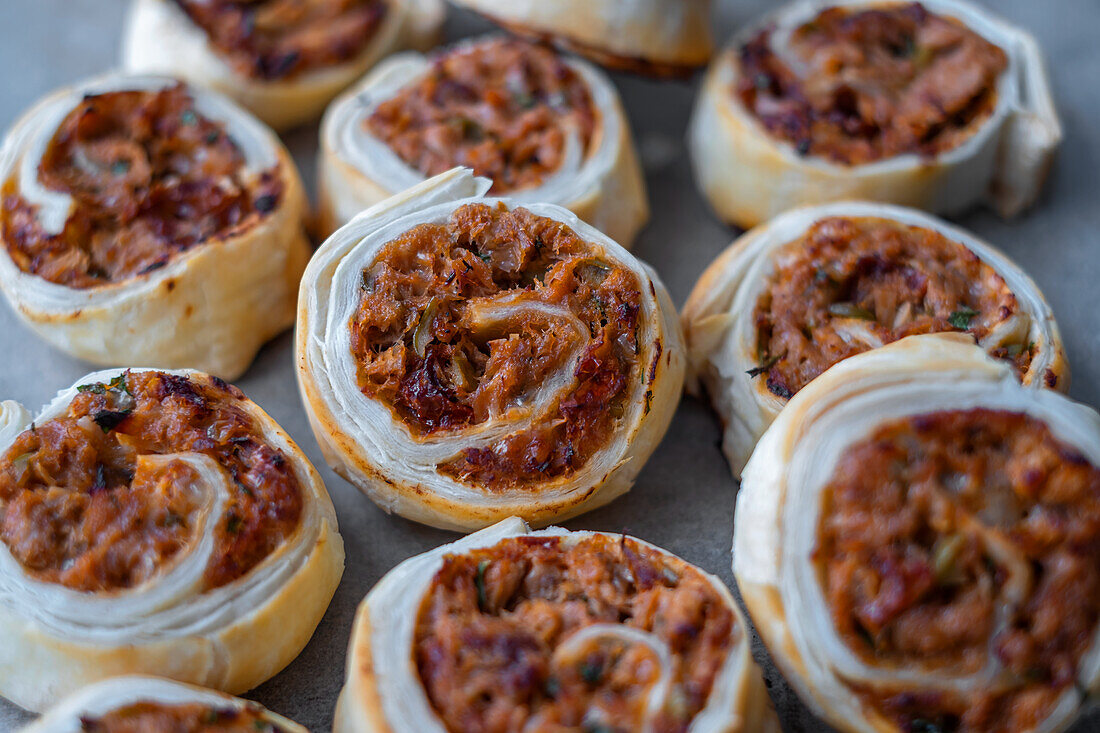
(380, 696)
(146, 704)
(209, 307)
(639, 65)
(159, 38)
(792, 520)
(232, 637)
(749, 176)
(723, 335)
(662, 38)
(406, 476)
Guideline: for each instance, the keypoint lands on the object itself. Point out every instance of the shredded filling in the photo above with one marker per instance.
(965, 542)
(852, 284)
(504, 108)
(541, 634)
(82, 505)
(155, 717)
(477, 320)
(856, 86)
(281, 39)
(149, 178)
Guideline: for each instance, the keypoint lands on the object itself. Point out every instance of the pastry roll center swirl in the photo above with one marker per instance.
(963, 545)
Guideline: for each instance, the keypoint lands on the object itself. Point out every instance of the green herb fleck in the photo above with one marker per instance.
(591, 671)
(210, 716)
(94, 388)
(551, 687)
(945, 553)
(233, 524)
(189, 117)
(120, 167)
(961, 318)
(850, 310)
(762, 82)
(765, 367)
(265, 203)
(108, 420)
(482, 597)
(118, 384)
(864, 634)
(920, 725)
(466, 128)
(212, 137)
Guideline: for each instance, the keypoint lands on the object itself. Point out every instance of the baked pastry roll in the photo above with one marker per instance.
(937, 105)
(653, 37)
(916, 540)
(282, 59)
(157, 705)
(156, 523)
(542, 127)
(464, 359)
(149, 222)
(509, 629)
(816, 285)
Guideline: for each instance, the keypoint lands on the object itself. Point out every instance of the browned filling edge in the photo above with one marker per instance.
(158, 717)
(78, 507)
(911, 578)
(851, 283)
(493, 648)
(878, 83)
(150, 178)
(274, 40)
(421, 350)
(502, 107)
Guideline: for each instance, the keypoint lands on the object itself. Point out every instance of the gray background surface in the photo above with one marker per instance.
(684, 497)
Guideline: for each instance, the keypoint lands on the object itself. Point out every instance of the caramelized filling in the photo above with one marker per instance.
(80, 507)
(494, 648)
(929, 526)
(155, 717)
(856, 86)
(852, 284)
(280, 39)
(149, 177)
(503, 108)
(462, 323)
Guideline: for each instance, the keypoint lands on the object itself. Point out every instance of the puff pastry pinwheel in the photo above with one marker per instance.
(463, 359)
(157, 523)
(819, 284)
(509, 629)
(938, 105)
(917, 539)
(542, 127)
(157, 705)
(282, 59)
(148, 222)
(653, 37)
